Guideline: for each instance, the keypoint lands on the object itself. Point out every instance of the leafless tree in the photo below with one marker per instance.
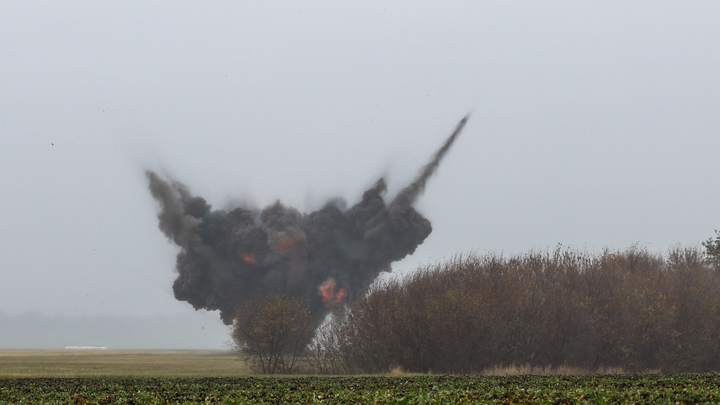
(271, 333)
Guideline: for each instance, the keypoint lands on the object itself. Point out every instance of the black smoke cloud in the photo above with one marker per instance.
(326, 257)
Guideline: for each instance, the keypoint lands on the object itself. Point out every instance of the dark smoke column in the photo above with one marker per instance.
(327, 257)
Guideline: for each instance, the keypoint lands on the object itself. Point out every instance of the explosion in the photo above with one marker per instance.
(327, 257)
(248, 258)
(329, 296)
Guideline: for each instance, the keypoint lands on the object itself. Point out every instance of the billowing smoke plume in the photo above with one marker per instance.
(327, 257)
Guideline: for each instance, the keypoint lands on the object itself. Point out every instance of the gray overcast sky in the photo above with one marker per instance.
(594, 124)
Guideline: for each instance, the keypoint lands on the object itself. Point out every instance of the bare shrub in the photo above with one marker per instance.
(626, 309)
(271, 333)
(712, 250)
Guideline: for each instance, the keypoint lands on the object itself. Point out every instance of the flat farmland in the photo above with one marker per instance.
(119, 363)
(429, 389)
(195, 376)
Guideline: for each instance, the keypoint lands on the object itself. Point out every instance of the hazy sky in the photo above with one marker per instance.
(594, 124)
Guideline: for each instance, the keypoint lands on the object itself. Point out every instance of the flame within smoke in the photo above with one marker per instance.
(248, 258)
(329, 296)
(327, 257)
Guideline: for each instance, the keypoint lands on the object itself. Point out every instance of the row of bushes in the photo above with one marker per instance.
(629, 309)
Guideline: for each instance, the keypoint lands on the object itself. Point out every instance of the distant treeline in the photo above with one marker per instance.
(630, 309)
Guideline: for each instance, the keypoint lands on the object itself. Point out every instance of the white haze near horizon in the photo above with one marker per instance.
(594, 125)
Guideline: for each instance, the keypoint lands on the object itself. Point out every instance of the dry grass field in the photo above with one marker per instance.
(119, 363)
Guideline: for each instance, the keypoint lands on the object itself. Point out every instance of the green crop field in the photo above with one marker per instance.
(197, 376)
(636, 389)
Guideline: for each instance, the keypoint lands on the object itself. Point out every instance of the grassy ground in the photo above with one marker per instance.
(119, 363)
(194, 376)
(586, 389)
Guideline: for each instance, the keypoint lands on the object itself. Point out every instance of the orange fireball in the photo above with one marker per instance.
(248, 258)
(285, 243)
(331, 294)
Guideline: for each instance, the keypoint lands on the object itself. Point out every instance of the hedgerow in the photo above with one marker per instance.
(627, 309)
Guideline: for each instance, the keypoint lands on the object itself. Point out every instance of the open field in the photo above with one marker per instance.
(119, 363)
(635, 389)
(193, 376)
